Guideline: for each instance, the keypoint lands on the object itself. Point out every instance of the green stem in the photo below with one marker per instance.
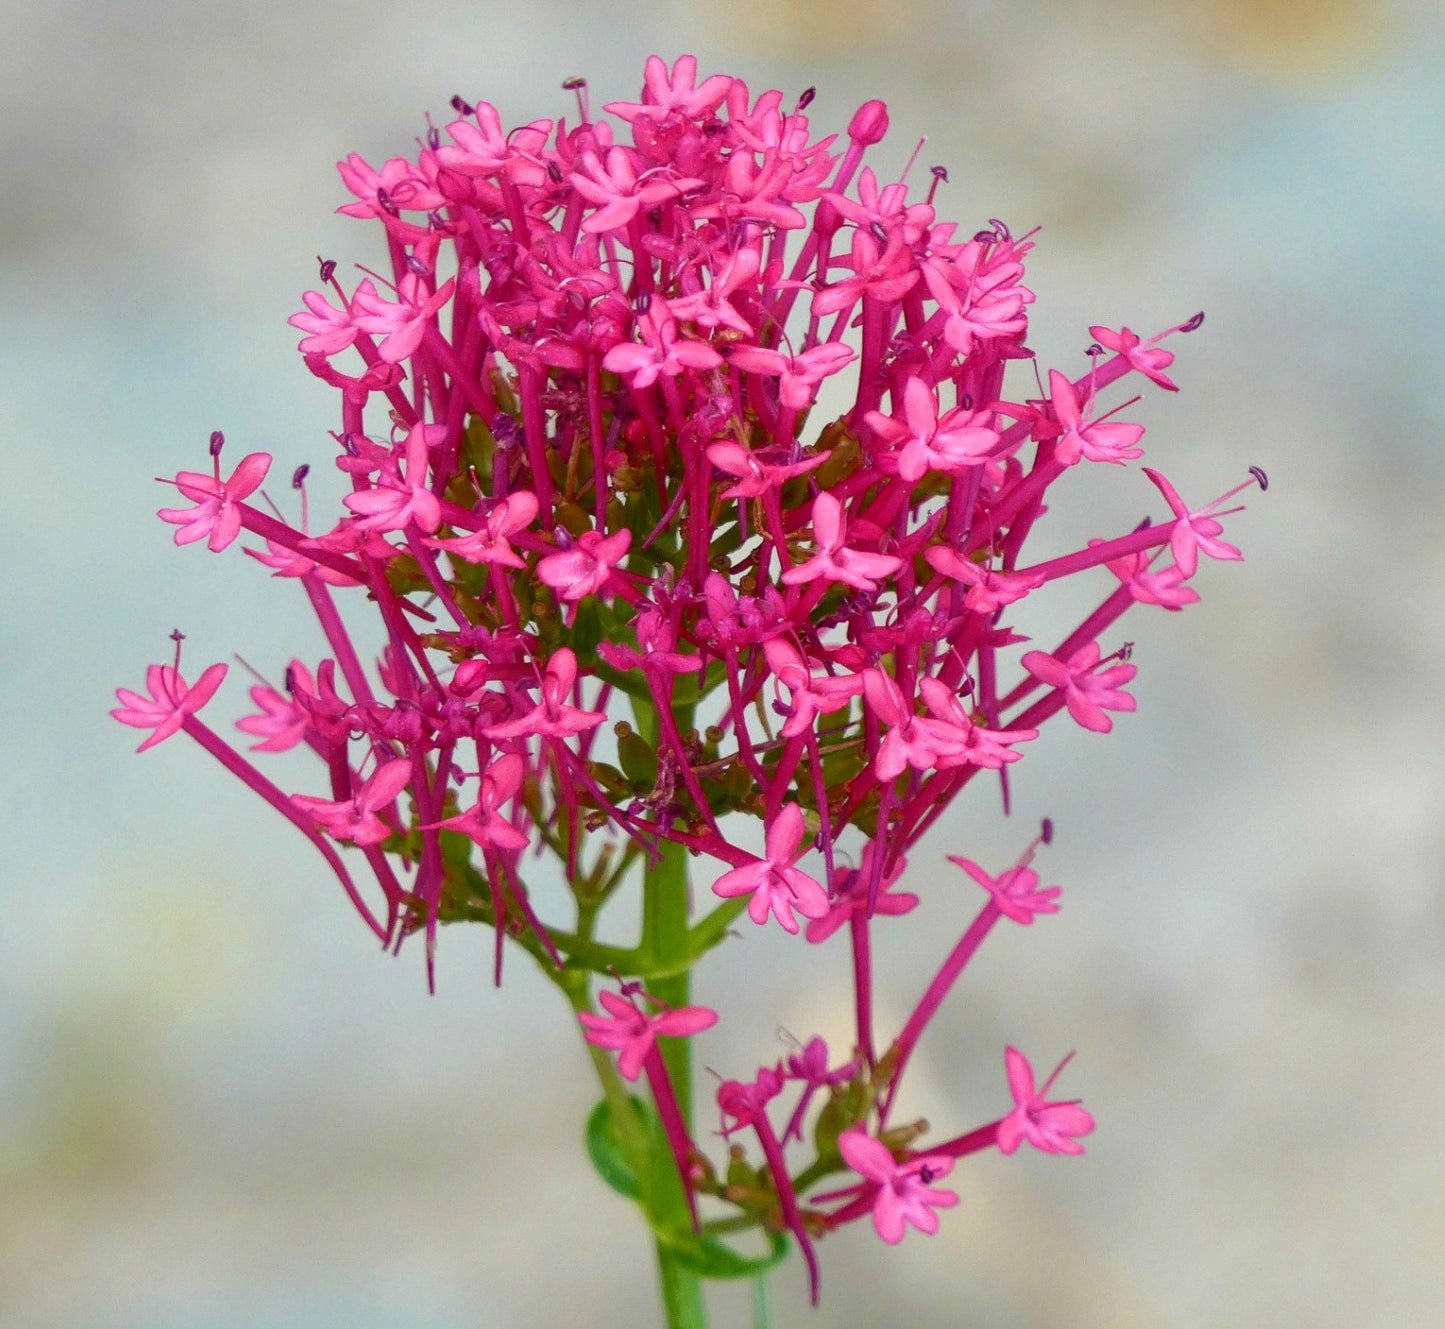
(682, 1297)
(665, 942)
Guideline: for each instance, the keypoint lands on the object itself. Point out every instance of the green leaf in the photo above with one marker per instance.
(606, 1151)
(710, 1258)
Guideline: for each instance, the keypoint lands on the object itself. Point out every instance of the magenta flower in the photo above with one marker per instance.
(1087, 694)
(905, 1193)
(673, 93)
(810, 695)
(171, 700)
(217, 512)
(835, 560)
(614, 185)
(1052, 1127)
(632, 1032)
(853, 888)
(402, 494)
(1015, 890)
(1193, 531)
(1083, 436)
(401, 323)
(776, 886)
(489, 543)
(586, 567)
(919, 441)
(755, 477)
(660, 351)
(283, 721)
(355, 818)
(798, 375)
(1165, 587)
(553, 716)
(988, 589)
(1148, 359)
(484, 821)
(331, 330)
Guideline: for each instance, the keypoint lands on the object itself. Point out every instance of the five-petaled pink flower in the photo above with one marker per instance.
(853, 886)
(586, 567)
(674, 93)
(918, 441)
(484, 821)
(403, 494)
(835, 560)
(216, 513)
(906, 1193)
(165, 710)
(634, 1033)
(1052, 1127)
(355, 818)
(552, 717)
(1149, 360)
(1087, 694)
(1193, 531)
(1015, 891)
(660, 352)
(1082, 435)
(798, 375)
(490, 543)
(401, 323)
(776, 886)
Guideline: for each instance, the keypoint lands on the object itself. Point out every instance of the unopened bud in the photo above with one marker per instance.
(869, 123)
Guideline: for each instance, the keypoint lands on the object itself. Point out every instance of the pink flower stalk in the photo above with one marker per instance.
(1053, 1127)
(632, 590)
(905, 1193)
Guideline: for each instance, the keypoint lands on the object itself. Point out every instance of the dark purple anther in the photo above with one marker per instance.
(966, 401)
(574, 83)
(554, 173)
(1126, 650)
(328, 268)
(298, 476)
(416, 266)
(177, 636)
(433, 137)
(984, 237)
(806, 100)
(1046, 831)
(1258, 473)
(1193, 323)
(218, 441)
(290, 678)
(1093, 349)
(643, 301)
(383, 201)
(926, 1174)
(462, 107)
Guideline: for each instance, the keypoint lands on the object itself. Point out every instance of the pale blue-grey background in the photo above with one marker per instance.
(221, 1109)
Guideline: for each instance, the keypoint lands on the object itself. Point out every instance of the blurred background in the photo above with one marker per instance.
(220, 1108)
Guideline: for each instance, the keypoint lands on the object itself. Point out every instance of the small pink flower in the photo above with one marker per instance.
(919, 441)
(165, 710)
(1015, 891)
(811, 695)
(1082, 435)
(1087, 694)
(484, 821)
(216, 513)
(835, 560)
(989, 589)
(553, 717)
(634, 1033)
(355, 818)
(1052, 1127)
(1165, 587)
(1151, 361)
(798, 375)
(283, 721)
(905, 1191)
(613, 184)
(331, 330)
(586, 567)
(403, 495)
(660, 351)
(1193, 531)
(401, 323)
(776, 886)
(755, 477)
(490, 543)
(852, 886)
(674, 93)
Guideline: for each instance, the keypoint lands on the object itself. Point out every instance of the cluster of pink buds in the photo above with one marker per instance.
(632, 592)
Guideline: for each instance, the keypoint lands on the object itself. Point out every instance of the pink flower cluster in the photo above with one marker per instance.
(686, 487)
